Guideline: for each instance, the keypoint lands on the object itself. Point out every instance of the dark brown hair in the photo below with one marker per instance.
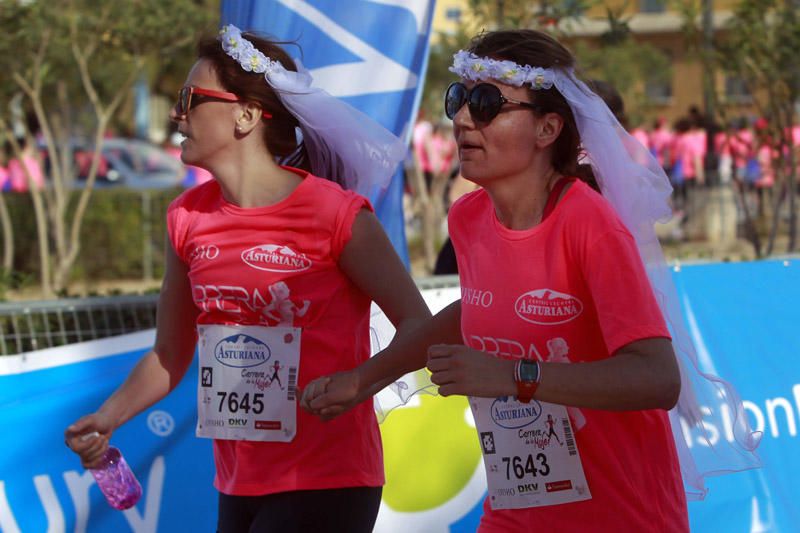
(538, 49)
(279, 131)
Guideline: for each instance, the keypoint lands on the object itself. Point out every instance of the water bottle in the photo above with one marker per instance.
(116, 480)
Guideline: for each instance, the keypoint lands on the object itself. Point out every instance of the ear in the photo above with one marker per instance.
(248, 116)
(548, 128)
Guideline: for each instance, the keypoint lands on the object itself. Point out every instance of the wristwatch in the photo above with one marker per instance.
(527, 376)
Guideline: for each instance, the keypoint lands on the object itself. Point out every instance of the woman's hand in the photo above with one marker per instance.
(458, 369)
(88, 437)
(330, 396)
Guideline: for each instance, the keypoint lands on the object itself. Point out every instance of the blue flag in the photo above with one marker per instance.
(370, 53)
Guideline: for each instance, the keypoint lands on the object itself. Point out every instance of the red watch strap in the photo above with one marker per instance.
(525, 389)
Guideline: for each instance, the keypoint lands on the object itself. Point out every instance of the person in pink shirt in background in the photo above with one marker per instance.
(271, 273)
(4, 150)
(442, 150)
(795, 136)
(723, 148)
(661, 138)
(766, 154)
(699, 149)
(641, 135)
(421, 144)
(683, 166)
(19, 179)
(742, 146)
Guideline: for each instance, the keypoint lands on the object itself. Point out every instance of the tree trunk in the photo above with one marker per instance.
(8, 237)
(750, 229)
(777, 202)
(792, 191)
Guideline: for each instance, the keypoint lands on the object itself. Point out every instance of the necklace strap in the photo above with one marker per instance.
(555, 194)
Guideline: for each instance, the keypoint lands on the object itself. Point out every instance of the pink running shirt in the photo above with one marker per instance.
(684, 150)
(420, 139)
(19, 178)
(279, 264)
(572, 289)
(660, 141)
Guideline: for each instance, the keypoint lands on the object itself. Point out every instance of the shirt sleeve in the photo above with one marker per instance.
(176, 227)
(352, 204)
(623, 297)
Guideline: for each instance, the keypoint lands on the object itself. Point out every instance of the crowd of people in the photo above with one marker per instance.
(695, 151)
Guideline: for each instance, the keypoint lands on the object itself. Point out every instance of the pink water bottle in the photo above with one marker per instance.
(116, 480)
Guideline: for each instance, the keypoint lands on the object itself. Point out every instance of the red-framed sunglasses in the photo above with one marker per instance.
(190, 94)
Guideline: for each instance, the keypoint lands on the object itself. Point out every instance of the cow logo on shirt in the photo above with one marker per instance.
(547, 307)
(275, 258)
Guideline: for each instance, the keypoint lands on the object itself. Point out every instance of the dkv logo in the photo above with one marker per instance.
(275, 258)
(241, 351)
(547, 307)
(513, 415)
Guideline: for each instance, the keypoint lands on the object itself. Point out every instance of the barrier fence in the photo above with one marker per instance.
(31, 326)
(742, 318)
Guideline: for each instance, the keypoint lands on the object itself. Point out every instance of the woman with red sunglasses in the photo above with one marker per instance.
(271, 270)
(559, 340)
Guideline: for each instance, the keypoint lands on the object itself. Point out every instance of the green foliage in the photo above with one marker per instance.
(438, 76)
(73, 62)
(625, 65)
(761, 43)
(526, 14)
(112, 238)
(113, 35)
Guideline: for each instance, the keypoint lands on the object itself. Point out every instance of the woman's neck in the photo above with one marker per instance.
(251, 178)
(519, 201)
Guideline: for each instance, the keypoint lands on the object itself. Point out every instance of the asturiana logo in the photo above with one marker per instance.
(512, 414)
(241, 351)
(275, 258)
(547, 307)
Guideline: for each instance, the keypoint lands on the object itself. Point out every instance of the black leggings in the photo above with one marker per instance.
(350, 510)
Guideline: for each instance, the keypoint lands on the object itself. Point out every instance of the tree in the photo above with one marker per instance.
(617, 58)
(74, 62)
(759, 46)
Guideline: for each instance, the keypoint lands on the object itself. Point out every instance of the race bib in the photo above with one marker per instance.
(529, 452)
(248, 382)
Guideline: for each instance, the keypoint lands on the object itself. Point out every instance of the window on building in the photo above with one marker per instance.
(453, 14)
(736, 89)
(573, 8)
(658, 91)
(652, 6)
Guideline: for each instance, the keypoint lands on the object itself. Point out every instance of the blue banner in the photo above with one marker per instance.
(370, 53)
(743, 318)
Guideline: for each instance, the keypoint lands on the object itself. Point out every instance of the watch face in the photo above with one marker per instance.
(529, 371)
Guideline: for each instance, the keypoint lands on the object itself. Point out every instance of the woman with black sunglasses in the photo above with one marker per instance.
(558, 338)
(271, 270)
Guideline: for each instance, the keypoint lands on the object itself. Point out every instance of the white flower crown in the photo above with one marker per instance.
(474, 68)
(248, 56)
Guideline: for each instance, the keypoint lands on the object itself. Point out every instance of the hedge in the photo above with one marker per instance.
(113, 235)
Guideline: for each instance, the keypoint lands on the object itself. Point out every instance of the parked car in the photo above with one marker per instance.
(131, 163)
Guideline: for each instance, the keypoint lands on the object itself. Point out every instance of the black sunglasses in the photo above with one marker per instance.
(483, 101)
